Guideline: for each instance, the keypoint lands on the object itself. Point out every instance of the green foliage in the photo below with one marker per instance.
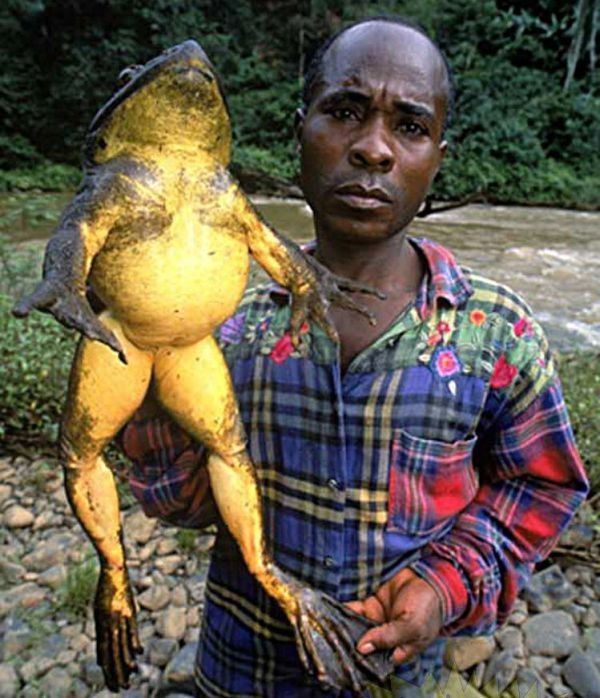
(581, 382)
(75, 596)
(187, 540)
(46, 177)
(519, 134)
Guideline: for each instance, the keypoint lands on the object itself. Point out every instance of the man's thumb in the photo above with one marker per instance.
(384, 637)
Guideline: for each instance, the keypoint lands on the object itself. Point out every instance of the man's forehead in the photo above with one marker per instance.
(383, 48)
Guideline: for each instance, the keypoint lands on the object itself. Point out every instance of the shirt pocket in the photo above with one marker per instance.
(430, 483)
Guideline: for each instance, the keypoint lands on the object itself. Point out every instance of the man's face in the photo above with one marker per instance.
(371, 139)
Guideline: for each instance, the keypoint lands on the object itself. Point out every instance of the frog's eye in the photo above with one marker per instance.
(126, 74)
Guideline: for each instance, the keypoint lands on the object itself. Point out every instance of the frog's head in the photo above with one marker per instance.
(173, 102)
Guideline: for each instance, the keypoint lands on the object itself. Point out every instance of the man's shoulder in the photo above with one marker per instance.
(492, 296)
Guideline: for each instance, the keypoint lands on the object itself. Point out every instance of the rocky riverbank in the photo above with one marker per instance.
(47, 573)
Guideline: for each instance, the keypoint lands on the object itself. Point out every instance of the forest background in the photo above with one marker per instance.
(527, 116)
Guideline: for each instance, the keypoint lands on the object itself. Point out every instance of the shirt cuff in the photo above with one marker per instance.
(449, 584)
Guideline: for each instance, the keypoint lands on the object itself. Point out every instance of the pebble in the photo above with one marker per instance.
(18, 517)
(56, 683)
(138, 527)
(172, 623)
(581, 675)
(155, 598)
(9, 681)
(501, 670)
(24, 595)
(465, 652)
(181, 668)
(554, 634)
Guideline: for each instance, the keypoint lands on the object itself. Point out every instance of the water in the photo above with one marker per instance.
(550, 256)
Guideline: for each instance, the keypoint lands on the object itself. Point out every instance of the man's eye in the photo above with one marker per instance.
(343, 114)
(412, 128)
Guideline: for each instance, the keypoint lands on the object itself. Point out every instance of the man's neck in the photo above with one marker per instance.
(391, 265)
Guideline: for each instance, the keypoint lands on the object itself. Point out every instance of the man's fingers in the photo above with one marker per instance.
(386, 636)
(356, 606)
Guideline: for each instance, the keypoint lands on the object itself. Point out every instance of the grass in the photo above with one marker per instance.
(77, 592)
(186, 540)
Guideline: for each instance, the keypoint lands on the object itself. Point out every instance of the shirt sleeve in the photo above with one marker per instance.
(168, 476)
(532, 480)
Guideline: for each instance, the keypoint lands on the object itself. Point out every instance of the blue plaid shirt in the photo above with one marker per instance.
(445, 446)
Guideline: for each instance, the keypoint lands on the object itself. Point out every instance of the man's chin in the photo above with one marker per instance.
(358, 229)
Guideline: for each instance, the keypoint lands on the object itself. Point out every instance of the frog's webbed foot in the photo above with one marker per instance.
(326, 637)
(71, 309)
(318, 290)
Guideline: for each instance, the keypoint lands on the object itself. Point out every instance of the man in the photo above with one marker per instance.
(419, 469)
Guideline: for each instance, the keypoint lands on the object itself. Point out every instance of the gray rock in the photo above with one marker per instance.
(172, 623)
(181, 668)
(155, 598)
(37, 666)
(24, 595)
(577, 536)
(548, 589)
(17, 516)
(53, 645)
(138, 527)
(50, 552)
(161, 650)
(581, 675)
(11, 572)
(9, 681)
(79, 689)
(591, 644)
(179, 596)
(17, 637)
(53, 577)
(93, 673)
(501, 670)
(529, 680)
(465, 652)
(590, 617)
(169, 563)
(511, 638)
(552, 634)
(56, 683)
(5, 492)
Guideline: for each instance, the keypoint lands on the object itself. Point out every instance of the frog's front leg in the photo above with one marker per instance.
(312, 285)
(80, 234)
(103, 394)
(193, 384)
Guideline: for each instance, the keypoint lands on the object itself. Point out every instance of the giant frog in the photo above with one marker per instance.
(163, 234)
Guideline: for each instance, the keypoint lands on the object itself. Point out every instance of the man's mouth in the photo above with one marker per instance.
(362, 197)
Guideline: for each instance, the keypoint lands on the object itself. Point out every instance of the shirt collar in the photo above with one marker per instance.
(444, 279)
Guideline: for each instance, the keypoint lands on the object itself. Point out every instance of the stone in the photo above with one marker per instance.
(54, 577)
(559, 689)
(552, 634)
(465, 652)
(181, 668)
(93, 673)
(17, 637)
(591, 644)
(577, 536)
(9, 681)
(477, 675)
(172, 623)
(56, 683)
(17, 516)
(11, 572)
(541, 664)
(501, 670)
(161, 650)
(179, 596)
(169, 563)
(165, 546)
(5, 492)
(510, 638)
(528, 681)
(154, 598)
(138, 527)
(590, 617)
(37, 666)
(548, 589)
(24, 595)
(581, 675)
(43, 520)
(51, 551)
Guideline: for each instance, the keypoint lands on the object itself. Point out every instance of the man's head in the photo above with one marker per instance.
(371, 129)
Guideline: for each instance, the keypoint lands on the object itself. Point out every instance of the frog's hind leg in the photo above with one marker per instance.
(103, 394)
(193, 384)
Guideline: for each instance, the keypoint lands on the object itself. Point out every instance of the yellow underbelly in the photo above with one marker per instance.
(174, 288)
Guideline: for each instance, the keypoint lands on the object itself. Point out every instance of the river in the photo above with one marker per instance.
(550, 256)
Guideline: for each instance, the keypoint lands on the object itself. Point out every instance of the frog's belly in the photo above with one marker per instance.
(176, 288)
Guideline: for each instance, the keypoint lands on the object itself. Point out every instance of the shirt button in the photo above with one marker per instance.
(329, 562)
(333, 484)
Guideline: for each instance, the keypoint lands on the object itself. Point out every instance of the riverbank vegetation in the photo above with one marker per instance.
(527, 126)
(32, 389)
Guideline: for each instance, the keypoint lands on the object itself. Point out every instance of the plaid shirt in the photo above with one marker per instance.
(445, 446)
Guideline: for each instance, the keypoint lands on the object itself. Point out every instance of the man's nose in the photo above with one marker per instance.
(372, 148)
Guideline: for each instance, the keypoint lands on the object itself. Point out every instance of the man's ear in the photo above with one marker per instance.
(299, 123)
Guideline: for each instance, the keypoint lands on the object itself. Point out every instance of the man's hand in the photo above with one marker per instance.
(409, 616)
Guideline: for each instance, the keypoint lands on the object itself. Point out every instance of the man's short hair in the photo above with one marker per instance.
(314, 70)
